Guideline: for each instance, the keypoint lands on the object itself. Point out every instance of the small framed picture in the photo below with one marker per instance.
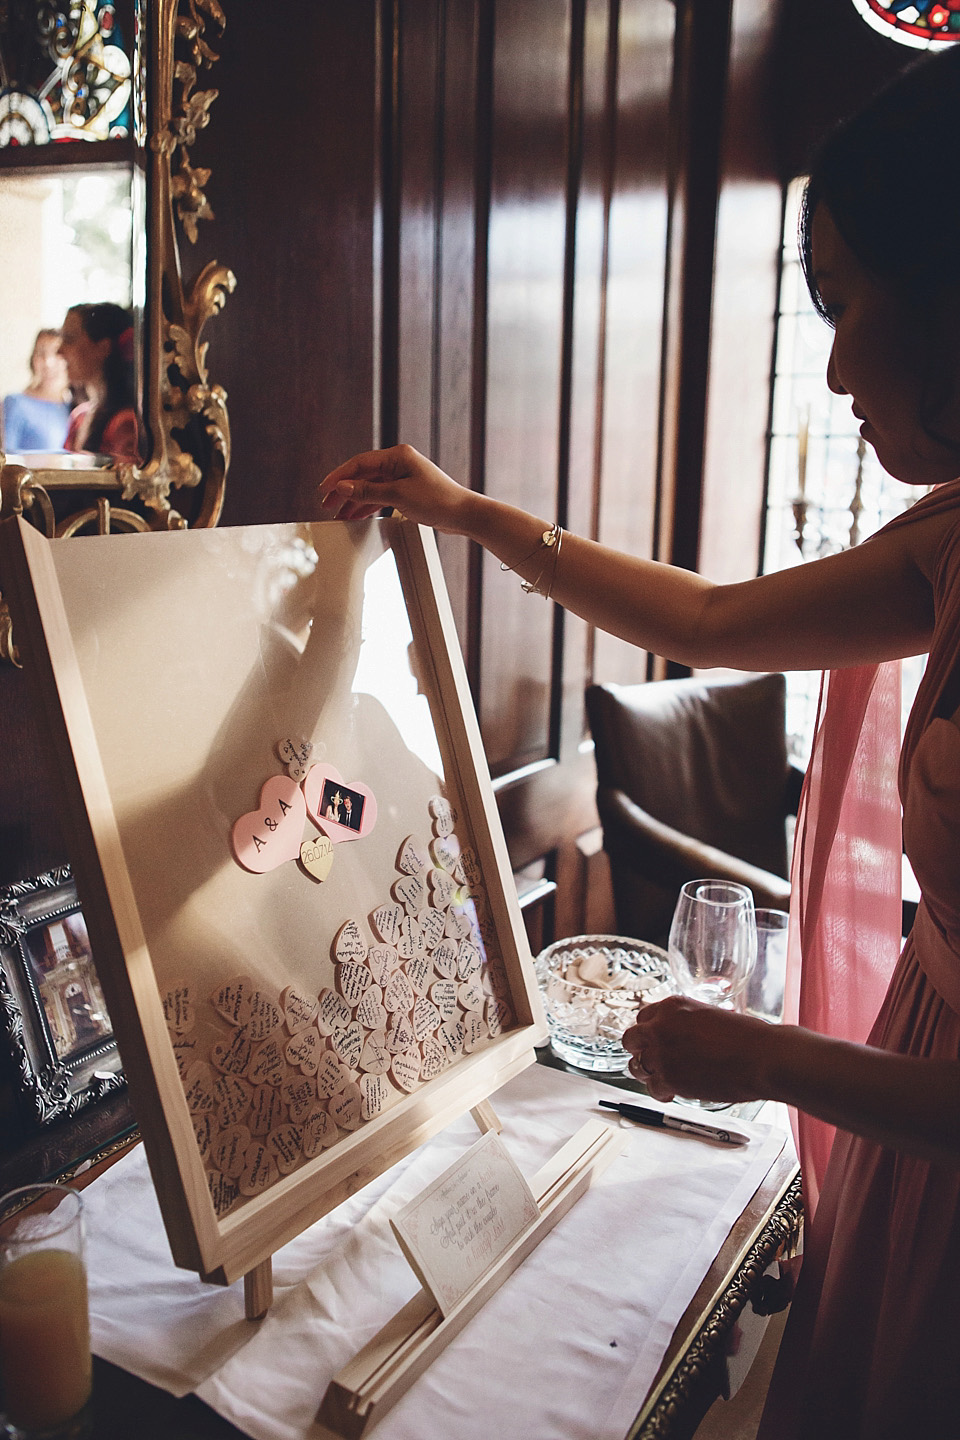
(52, 1009)
(341, 805)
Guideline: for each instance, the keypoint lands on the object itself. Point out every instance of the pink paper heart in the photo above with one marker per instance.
(264, 838)
(343, 809)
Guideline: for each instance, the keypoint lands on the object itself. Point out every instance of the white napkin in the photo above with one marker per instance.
(567, 1348)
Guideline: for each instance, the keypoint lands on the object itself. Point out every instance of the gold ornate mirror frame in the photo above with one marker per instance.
(181, 482)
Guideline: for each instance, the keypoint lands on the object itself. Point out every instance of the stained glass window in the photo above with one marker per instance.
(913, 22)
(65, 72)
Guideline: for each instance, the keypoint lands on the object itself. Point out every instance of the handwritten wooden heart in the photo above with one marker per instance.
(264, 838)
(343, 809)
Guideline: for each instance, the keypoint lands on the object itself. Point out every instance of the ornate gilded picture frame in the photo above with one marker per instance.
(52, 1011)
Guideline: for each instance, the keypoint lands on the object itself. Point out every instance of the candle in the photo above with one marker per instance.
(44, 1338)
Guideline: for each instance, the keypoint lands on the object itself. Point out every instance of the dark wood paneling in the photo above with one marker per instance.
(295, 161)
(525, 294)
(634, 301)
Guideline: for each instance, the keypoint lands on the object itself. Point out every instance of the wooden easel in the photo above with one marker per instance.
(258, 1282)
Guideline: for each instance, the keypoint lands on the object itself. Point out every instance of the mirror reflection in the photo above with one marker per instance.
(67, 355)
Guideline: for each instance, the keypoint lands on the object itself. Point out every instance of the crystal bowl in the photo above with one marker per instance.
(592, 986)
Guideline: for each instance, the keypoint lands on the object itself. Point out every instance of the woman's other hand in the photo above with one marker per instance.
(680, 1047)
(399, 477)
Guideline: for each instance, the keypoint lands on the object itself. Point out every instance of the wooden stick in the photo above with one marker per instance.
(258, 1290)
(486, 1118)
(368, 1385)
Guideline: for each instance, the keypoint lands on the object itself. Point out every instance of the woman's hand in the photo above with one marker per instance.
(680, 1047)
(399, 477)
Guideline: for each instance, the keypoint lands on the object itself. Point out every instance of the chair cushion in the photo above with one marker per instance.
(706, 757)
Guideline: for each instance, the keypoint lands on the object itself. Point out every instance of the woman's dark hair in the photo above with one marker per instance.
(107, 321)
(890, 178)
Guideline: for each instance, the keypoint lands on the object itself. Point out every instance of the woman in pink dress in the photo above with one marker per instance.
(872, 1344)
(97, 343)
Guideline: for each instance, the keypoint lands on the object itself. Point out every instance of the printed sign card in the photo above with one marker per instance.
(464, 1221)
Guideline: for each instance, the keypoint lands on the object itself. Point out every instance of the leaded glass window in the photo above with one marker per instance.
(65, 72)
(921, 23)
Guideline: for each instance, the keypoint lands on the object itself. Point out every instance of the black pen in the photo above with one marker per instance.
(645, 1116)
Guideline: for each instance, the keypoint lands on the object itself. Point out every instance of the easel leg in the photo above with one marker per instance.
(486, 1117)
(258, 1290)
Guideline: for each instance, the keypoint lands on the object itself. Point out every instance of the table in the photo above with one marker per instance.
(689, 1378)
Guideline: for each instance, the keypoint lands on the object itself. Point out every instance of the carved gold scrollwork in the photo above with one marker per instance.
(181, 482)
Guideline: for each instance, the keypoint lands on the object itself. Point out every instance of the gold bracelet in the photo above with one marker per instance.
(550, 540)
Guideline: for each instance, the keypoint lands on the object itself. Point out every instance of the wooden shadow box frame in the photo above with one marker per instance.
(167, 669)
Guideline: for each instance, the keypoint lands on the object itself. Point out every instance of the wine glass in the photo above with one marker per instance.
(713, 946)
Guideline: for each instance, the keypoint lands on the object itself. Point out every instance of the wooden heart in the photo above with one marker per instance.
(295, 754)
(445, 959)
(299, 1010)
(232, 1056)
(344, 810)
(444, 815)
(471, 996)
(318, 1131)
(348, 1044)
(419, 973)
(223, 1192)
(232, 1096)
(445, 850)
(405, 1068)
(383, 960)
(178, 1010)
(332, 1074)
(410, 941)
(469, 961)
(266, 1110)
(411, 891)
(387, 920)
(400, 1036)
(411, 859)
(286, 1146)
(426, 1017)
(204, 1128)
(304, 1051)
(375, 1057)
(265, 1016)
(457, 924)
(349, 943)
(198, 1086)
(443, 993)
(234, 1000)
(443, 887)
(186, 1050)
(498, 1016)
(264, 838)
(451, 1036)
(261, 1170)
(474, 1030)
(374, 1092)
(316, 856)
(229, 1150)
(300, 1095)
(370, 1011)
(334, 1012)
(398, 995)
(432, 923)
(353, 980)
(345, 1107)
(434, 1058)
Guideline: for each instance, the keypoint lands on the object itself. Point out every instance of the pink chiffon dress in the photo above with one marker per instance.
(871, 1350)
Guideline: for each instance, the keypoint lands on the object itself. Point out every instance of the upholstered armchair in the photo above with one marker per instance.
(693, 781)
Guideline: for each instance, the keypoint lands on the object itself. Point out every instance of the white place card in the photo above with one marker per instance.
(464, 1221)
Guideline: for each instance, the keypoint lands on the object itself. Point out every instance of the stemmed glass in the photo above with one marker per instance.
(713, 946)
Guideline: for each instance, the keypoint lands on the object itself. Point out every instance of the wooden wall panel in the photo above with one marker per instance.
(744, 302)
(635, 291)
(524, 324)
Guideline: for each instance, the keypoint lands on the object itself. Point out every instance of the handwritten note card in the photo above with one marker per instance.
(455, 1229)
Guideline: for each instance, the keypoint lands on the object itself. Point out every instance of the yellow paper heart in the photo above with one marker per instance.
(316, 857)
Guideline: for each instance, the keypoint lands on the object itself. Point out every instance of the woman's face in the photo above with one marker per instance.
(878, 359)
(85, 357)
(46, 363)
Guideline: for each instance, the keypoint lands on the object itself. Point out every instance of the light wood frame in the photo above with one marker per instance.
(243, 1240)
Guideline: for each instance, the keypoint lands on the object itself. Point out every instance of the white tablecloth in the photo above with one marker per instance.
(566, 1349)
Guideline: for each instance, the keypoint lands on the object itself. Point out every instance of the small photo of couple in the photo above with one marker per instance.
(342, 805)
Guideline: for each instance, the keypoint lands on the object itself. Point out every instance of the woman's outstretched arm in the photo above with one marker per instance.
(903, 1101)
(871, 603)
